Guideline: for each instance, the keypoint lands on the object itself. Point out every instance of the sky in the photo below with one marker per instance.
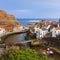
(32, 8)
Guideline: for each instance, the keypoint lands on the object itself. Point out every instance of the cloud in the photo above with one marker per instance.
(34, 21)
(47, 3)
(20, 11)
(37, 9)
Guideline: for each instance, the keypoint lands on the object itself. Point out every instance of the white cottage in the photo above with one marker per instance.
(2, 30)
(55, 31)
(36, 29)
(22, 28)
(41, 33)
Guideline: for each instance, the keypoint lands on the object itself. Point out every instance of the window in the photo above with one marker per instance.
(54, 31)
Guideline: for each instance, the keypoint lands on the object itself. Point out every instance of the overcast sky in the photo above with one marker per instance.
(32, 8)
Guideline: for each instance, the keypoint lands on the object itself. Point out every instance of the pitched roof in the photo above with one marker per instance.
(8, 28)
(48, 23)
(17, 25)
(57, 28)
(43, 28)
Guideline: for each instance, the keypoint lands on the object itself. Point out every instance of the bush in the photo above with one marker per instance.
(27, 54)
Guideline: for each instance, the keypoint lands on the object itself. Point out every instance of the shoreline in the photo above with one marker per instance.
(3, 37)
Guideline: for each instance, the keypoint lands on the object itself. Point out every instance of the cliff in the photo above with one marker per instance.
(7, 19)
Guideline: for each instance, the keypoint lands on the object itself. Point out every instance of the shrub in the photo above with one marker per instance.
(27, 54)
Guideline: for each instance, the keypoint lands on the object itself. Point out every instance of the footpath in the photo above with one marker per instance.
(55, 49)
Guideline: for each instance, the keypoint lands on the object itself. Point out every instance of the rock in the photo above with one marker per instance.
(7, 19)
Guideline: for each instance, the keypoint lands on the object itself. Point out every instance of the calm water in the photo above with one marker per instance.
(18, 38)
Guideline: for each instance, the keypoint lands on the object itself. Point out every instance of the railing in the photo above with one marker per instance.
(55, 49)
(27, 41)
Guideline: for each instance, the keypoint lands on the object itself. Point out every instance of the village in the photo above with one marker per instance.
(41, 29)
(44, 28)
(30, 30)
(6, 29)
(41, 36)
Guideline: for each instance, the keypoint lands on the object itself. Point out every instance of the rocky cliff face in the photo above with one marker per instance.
(7, 19)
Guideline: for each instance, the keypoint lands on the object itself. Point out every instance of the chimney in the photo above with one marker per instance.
(58, 25)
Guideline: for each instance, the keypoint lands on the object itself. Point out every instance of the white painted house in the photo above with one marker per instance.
(18, 28)
(2, 30)
(41, 33)
(22, 28)
(55, 31)
(36, 29)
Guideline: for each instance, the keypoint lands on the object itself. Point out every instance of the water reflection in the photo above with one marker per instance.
(20, 37)
(17, 37)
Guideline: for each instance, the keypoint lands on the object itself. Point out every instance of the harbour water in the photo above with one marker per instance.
(18, 38)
